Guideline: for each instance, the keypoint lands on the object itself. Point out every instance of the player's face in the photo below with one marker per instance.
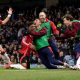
(37, 22)
(66, 22)
(42, 16)
(32, 27)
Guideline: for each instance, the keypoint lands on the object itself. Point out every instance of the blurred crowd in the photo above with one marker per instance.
(11, 34)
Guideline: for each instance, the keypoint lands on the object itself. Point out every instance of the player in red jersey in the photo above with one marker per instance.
(27, 48)
(3, 53)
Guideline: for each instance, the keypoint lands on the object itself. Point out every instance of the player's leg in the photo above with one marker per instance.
(51, 57)
(43, 56)
(54, 48)
(27, 62)
(5, 56)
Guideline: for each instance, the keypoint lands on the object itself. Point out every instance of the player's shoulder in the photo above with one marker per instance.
(76, 23)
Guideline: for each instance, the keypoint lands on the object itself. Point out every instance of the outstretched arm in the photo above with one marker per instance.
(8, 17)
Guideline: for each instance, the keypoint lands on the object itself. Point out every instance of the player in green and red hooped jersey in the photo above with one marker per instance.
(51, 29)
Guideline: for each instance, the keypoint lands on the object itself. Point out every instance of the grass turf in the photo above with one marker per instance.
(39, 74)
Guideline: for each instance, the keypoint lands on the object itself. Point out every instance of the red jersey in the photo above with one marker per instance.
(53, 26)
(26, 50)
(72, 32)
(26, 44)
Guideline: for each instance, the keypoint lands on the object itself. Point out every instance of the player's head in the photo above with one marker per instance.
(67, 19)
(37, 22)
(31, 28)
(42, 16)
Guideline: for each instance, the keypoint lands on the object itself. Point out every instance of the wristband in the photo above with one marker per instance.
(9, 15)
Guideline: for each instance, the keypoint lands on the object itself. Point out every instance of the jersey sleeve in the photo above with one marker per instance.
(42, 32)
(0, 22)
(54, 29)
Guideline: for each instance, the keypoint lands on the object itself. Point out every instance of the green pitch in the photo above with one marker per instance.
(39, 74)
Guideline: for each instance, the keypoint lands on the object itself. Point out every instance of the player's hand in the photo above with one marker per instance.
(32, 47)
(10, 11)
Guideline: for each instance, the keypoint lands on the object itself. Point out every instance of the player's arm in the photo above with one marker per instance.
(8, 17)
(54, 29)
(24, 41)
(42, 32)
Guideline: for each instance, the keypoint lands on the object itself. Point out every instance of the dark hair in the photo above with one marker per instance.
(43, 10)
(68, 17)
